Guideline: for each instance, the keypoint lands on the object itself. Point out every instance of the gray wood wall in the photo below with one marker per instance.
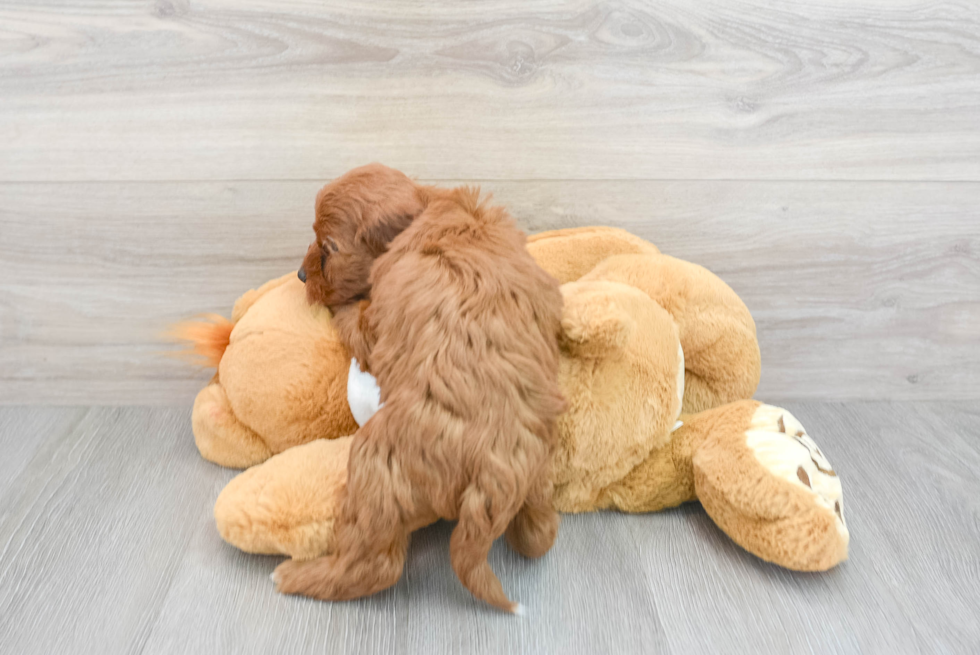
(158, 159)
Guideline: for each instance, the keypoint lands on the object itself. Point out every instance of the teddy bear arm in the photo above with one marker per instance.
(620, 373)
(705, 390)
(658, 482)
(722, 359)
(764, 482)
(666, 477)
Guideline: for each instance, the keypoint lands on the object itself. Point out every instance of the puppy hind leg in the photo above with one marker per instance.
(353, 573)
(371, 537)
(470, 545)
(533, 530)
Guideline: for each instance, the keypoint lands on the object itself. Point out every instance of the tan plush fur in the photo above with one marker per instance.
(714, 326)
(220, 436)
(278, 382)
(619, 375)
(267, 509)
(666, 477)
(460, 326)
(615, 447)
(776, 519)
(571, 253)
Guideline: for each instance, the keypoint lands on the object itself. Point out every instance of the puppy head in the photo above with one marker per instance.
(357, 216)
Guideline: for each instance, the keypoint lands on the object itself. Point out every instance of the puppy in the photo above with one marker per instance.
(436, 295)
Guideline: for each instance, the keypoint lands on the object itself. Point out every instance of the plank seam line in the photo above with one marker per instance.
(503, 179)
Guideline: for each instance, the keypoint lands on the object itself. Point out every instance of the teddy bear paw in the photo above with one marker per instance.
(781, 444)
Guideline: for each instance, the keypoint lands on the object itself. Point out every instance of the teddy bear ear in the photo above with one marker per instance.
(594, 323)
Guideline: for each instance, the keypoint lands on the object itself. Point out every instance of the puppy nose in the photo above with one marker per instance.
(302, 274)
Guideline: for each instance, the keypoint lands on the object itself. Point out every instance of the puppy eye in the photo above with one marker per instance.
(333, 245)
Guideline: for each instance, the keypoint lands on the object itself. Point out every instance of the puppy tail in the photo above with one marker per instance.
(469, 547)
(204, 339)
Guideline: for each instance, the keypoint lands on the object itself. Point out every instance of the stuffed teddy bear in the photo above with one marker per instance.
(659, 358)
(281, 377)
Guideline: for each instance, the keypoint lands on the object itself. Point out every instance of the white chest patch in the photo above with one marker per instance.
(363, 393)
(680, 387)
(781, 444)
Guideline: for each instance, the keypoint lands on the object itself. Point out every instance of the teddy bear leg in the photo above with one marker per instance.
(220, 437)
(765, 482)
(287, 505)
(532, 532)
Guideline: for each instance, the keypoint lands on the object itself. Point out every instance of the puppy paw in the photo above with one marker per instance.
(320, 578)
(284, 577)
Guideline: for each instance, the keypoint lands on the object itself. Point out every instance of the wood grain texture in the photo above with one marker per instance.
(113, 550)
(859, 290)
(221, 601)
(95, 527)
(24, 433)
(293, 89)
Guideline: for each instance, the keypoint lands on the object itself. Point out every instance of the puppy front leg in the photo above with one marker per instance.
(354, 325)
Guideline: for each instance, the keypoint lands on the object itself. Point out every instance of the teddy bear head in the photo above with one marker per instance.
(281, 380)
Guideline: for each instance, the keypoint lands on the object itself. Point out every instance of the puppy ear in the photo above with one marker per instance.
(377, 234)
(396, 201)
(373, 204)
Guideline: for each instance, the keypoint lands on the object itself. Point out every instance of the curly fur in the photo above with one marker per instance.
(435, 294)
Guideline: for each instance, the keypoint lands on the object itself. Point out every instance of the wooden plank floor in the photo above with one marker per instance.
(107, 545)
